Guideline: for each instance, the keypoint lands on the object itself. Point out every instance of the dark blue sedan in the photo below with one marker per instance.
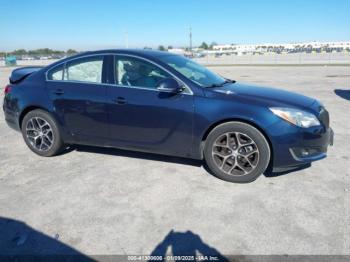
(162, 103)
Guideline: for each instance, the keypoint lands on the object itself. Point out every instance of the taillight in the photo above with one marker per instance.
(7, 89)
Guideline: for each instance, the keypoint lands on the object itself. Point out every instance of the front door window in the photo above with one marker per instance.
(134, 72)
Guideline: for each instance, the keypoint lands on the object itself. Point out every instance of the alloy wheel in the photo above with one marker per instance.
(39, 134)
(235, 153)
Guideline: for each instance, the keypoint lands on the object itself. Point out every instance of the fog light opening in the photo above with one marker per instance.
(305, 152)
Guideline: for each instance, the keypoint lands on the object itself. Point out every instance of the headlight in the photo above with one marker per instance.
(296, 117)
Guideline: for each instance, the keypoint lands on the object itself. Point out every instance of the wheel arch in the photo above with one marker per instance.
(66, 135)
(26, 111)
(249, 122)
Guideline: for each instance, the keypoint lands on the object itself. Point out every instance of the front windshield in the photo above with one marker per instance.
(193, 71)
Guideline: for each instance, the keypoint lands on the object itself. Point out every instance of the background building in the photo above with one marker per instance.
(307, 47)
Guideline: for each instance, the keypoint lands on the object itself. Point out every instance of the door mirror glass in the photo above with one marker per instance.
(169, 85)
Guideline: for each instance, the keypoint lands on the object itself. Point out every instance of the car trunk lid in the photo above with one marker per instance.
(20, 74)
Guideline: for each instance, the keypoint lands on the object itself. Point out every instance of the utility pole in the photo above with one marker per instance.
(190, 39)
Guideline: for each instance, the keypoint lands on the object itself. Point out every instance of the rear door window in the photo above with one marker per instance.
(84, 70)
(56, 73)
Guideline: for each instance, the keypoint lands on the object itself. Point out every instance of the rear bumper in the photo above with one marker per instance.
(11, 116)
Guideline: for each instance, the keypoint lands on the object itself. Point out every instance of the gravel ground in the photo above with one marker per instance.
(106, 201)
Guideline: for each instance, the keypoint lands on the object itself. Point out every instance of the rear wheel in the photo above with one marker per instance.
(41, 134)
(237, 152)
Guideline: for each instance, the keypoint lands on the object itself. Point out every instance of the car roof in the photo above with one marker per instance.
(140, 52)
(145, 53)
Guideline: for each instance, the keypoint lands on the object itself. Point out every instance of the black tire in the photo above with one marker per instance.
(57, 144)
(263, 150)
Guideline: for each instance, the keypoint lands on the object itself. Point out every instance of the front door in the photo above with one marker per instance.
(143, 118)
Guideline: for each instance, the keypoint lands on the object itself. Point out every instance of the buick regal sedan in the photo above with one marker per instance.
(163, 103)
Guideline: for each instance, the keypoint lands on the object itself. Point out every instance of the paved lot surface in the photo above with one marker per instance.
(104, 201)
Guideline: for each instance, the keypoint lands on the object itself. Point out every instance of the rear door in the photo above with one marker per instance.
(78, 91)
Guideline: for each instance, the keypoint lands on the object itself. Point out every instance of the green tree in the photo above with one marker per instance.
(204, 46)
(170, 47)
(19, 52)
(212, 45)
(71, 52)
(43, 51)
(161, 48)
(57, 52)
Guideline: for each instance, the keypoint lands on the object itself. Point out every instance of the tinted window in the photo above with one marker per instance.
(85, 70)
(56, 73)
(136, 72)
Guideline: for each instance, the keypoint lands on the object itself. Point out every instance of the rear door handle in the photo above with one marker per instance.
(59, 92)
(119, 100)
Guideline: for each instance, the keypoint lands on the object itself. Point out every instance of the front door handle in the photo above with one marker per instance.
(59, 91)
(119, 100)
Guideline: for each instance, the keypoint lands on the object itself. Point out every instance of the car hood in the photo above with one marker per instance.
(269, 96)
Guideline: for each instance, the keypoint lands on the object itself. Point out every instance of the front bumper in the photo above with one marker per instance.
(294, 146)
(313, 153)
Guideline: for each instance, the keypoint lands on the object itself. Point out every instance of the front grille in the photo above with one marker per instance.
(324, 117)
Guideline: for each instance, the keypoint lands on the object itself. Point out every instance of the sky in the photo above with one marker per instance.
(98, 24)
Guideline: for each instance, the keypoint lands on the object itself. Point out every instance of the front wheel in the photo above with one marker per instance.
(237, 152)
(41, 134)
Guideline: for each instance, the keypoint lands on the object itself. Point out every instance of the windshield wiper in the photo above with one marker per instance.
(215, 85)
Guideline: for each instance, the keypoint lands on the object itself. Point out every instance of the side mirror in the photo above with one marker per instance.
(169, 85)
